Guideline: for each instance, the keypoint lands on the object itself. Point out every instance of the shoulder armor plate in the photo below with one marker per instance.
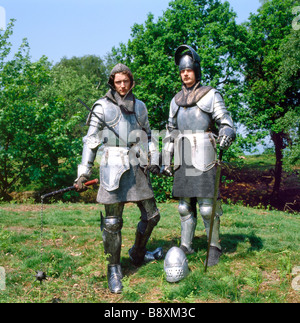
(173, 108)
(141, 112)
(106, 110)
(206, 103)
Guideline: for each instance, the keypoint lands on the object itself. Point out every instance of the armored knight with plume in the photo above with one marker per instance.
(195, 113)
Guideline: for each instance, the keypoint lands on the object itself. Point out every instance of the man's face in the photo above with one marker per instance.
(188, 77)
(122, 83)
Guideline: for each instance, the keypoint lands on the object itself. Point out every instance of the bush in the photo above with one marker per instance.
(162, 187)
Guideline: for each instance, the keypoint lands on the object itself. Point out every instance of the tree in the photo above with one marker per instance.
(91, 66)
(289, 78)
(209, 27)
(40, 120)
(270, 93)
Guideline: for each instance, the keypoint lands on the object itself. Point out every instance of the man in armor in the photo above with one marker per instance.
(119, 122)
(190, 139)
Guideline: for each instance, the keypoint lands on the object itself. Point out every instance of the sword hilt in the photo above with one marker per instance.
(92, 182)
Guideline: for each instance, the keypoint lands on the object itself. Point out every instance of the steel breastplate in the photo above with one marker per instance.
(119, 154)
(193, 124)
(193, 119)
(126, 125)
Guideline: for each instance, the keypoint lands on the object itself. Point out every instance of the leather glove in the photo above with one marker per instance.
(79, 183)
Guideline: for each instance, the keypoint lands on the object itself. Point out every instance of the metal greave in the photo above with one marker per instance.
(205, 207)
(215, 233)
(111, 234)
(112, 246)
(188, 227)
(187, 211)
(149, 218)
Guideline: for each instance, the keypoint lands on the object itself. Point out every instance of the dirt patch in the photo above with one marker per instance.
(254, 188)
(251, 187)
(24, 207)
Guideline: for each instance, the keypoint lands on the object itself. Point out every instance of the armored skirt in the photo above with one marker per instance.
(189, 181)
(134, 186)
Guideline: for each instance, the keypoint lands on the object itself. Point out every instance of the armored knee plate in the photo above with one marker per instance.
(149, 218)
(113, 225)
(146, 225)
(188, 225)
(184, 208)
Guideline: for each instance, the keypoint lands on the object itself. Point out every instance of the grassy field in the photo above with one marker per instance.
(261, 248)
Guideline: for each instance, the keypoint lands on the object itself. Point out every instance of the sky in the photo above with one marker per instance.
(58, 28)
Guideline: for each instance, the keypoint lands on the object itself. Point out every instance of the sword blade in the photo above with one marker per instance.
(63, 190)
(70, 188)
(213, 214)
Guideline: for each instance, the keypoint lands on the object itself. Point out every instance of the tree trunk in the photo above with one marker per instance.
(277, 138)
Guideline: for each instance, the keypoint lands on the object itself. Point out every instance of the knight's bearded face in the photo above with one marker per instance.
(122, 83)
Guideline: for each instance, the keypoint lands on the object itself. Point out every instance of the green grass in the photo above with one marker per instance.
(260, 249)
(260, 161)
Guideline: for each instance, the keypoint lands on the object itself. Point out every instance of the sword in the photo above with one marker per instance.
(41, 275)
(70, 188)
(216, 191)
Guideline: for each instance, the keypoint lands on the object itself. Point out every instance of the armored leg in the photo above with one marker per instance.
(112, 239)
(188, 217)
(149, 218)
(205, 206)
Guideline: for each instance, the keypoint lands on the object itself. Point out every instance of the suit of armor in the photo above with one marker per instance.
(191, 140)
(121, 126)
